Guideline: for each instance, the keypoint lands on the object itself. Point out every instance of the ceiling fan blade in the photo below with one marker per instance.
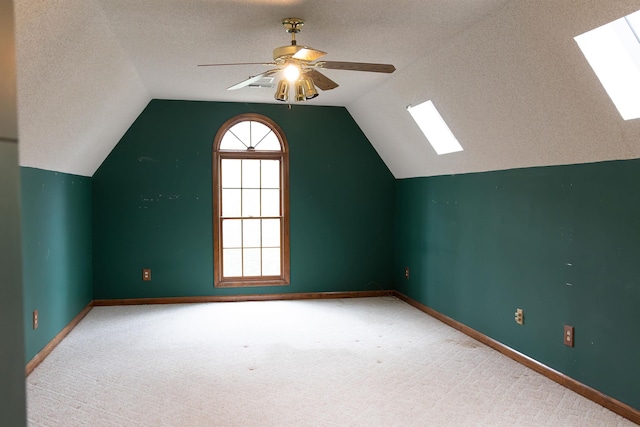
(321, 81)
(357, 66)
(238, 63)
(253, 79)
(308, 54)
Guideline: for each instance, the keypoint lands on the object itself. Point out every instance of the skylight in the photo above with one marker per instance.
(434, 128)
(613, 51)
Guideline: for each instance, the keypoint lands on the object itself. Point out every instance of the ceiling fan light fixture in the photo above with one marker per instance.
(300, 91)
(309, 88)
(282, 92)
(292, 73)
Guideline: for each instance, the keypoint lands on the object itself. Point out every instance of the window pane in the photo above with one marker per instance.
(232, 262)
(270, 143)
(230, 142)
(270, 173)
(232, 233)
(231, 203)
(251, 262)
(258, 132)
(251, 233)
(242, 132)
(270, 203)
(250, 203)
(270, 262)
(251, 173)
(271, 233)
(230, 173)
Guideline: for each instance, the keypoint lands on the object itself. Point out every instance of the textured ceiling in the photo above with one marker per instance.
(506, 75)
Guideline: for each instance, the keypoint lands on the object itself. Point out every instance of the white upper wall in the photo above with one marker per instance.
(506, 75)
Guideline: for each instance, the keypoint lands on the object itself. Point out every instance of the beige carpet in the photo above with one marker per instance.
(347, 362)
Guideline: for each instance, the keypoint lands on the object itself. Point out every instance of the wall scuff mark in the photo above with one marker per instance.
(146, 159)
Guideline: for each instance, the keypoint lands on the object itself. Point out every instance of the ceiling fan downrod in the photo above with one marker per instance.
(293, 26)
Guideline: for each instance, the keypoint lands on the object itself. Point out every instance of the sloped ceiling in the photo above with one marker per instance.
(506, 75)
(78, 90)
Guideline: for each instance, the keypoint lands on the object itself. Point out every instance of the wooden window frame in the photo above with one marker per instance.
(283, 156)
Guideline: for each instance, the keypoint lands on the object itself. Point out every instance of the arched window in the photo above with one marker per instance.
(250, 203)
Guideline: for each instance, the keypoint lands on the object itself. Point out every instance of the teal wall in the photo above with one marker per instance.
(57, 246)
(152, 203)
(559, 242)
(562, 243)
(12, 393)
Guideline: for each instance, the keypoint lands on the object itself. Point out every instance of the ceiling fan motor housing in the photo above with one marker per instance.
(284, 52)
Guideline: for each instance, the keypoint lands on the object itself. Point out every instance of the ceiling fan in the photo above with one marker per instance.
(300, 66)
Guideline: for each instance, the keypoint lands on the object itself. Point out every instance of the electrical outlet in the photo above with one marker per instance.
(519, 316)
(146, 274)
(568, 335)
(406, 273)
(35, 319)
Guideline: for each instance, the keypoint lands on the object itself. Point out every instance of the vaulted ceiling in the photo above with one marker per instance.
(506, 75)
